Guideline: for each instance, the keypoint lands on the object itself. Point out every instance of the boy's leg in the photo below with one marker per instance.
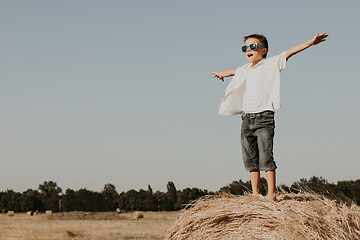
(255, 181)
(249, 146)
(265, 136)
(250, 153)
(271, 182)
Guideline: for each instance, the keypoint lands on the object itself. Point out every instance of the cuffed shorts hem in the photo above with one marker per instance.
(260, 169)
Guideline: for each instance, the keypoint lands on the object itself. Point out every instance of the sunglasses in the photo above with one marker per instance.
(252, 46)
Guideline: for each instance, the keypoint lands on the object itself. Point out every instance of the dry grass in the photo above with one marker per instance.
(296, 216)
(83, 225)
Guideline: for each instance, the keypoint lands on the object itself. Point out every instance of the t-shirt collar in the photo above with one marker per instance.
(259, 63)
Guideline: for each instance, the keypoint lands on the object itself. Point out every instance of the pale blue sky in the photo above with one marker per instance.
(121, 92)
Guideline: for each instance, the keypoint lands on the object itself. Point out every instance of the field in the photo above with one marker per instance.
(82, 225)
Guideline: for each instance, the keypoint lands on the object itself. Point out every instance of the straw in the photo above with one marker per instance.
(302, 216)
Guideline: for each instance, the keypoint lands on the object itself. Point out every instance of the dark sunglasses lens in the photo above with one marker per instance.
(253, 46)
(244, 48)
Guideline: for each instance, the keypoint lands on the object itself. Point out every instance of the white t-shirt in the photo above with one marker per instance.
(256, 98)
(264, 83)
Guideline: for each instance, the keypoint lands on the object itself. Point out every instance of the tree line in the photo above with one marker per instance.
(49, 196)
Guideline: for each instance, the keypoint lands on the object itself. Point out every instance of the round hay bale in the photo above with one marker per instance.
(10, 213)
(138, 215)
(295, 216)
(29, 213)
(48, 212)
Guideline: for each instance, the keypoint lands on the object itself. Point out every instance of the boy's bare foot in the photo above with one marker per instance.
(256, 194)
(271, 197)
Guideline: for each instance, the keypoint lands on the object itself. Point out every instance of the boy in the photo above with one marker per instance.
(254, 92)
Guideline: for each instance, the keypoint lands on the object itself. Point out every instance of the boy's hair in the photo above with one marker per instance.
(262, 40)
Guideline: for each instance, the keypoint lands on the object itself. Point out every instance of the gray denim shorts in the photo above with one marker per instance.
(257, 134)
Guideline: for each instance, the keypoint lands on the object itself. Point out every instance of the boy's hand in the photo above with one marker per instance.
(221, 75)
(301, 47)
(218, 75)
(319, 38)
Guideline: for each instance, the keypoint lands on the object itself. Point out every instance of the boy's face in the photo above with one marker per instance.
(254, 56)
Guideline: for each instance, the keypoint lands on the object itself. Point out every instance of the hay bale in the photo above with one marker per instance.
(29, 213)
(10, 213)
(48, 212)
(138, 215)
(295, 216)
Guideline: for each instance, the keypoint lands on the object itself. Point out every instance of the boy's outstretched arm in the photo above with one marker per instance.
(221, 75)
(298, 48)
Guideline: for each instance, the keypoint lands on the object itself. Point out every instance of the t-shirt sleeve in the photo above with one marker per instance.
(280, 61)
(239, 69)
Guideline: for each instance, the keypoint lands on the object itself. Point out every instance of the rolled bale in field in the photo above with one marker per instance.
(48, 212)
(138, 215)
(302, 216)
(29, 213)
(10, 213)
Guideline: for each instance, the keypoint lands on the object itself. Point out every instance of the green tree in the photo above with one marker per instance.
(240, 187)
(50, 195)
(236, 187)
(188, 195)
(89, 201)
(128, 200)
(350, 189)
(171, 195)
(151, 203)
(69, 201)
(11, 200)
(162, 200)
(316, 184)
(111, 197)
(31, 201)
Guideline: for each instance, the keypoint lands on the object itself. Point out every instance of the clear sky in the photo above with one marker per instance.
(121, 92)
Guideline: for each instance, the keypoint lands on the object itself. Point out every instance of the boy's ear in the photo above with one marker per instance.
(264, 51)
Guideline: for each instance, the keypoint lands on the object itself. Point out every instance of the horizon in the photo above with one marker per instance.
(63, 191)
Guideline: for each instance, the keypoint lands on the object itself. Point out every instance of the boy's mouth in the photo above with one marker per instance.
(249, 54)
